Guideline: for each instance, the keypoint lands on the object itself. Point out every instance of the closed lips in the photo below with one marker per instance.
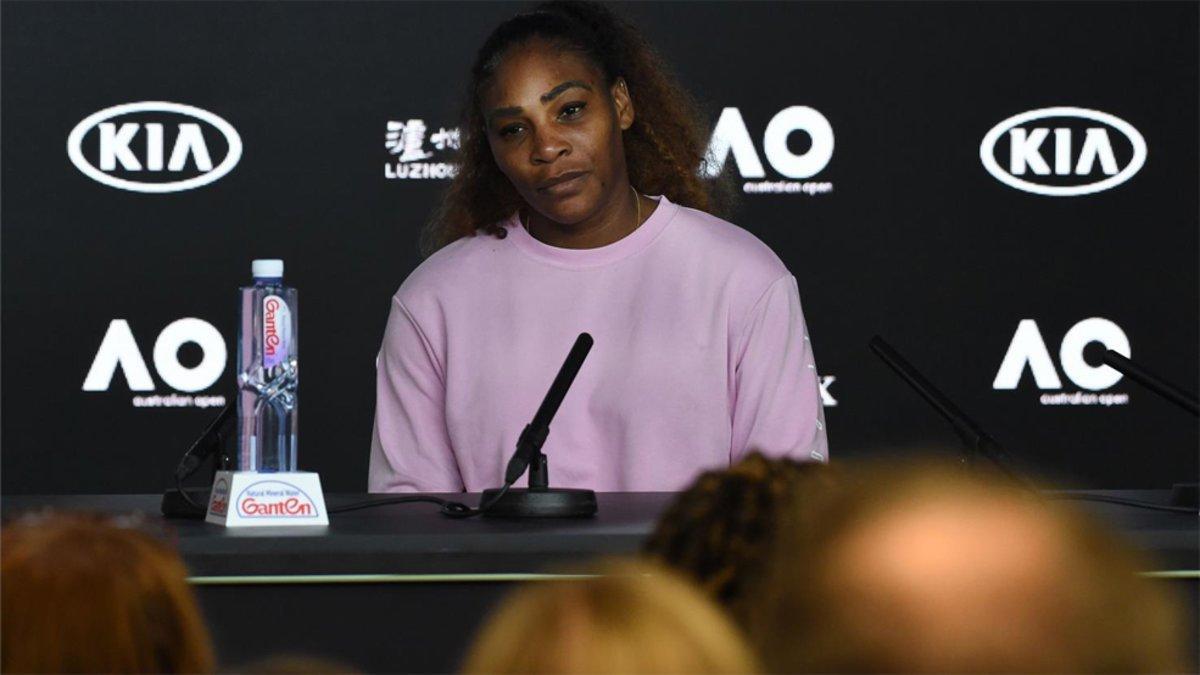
(561, 178)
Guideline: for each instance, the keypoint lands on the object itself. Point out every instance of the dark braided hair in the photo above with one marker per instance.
(664, 148)
(721, 530)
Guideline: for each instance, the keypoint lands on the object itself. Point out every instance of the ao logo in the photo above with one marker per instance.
(1074, 160)
(1028, 347)
(825, 383)
(190, 163)
(118, 348)
(730, 134)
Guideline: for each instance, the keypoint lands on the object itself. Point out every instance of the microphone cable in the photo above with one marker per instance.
(1137, 503)
(449, 508)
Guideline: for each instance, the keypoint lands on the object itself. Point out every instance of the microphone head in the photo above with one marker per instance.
(1093, 353)
(583, 343)
(876, 344)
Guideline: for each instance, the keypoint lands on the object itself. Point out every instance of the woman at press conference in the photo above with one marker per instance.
(579, 207)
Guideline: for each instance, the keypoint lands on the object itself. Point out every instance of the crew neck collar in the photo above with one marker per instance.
(620, 249)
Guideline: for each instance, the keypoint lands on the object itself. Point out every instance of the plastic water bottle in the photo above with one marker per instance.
(267, 371)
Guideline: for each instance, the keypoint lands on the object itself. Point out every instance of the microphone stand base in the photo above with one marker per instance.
(174, 505)
(541, 503)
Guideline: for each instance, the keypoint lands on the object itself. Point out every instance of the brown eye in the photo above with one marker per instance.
(572, 110)
(510, 130)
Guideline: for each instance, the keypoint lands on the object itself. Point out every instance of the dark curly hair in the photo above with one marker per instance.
(664, 149)
(722, 530)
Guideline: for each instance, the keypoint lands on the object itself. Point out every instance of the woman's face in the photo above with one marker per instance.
(555, 131)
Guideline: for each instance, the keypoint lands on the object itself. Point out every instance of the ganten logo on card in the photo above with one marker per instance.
(274, 499)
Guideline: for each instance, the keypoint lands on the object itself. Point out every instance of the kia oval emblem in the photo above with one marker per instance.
(1072, 157)
(189, 159)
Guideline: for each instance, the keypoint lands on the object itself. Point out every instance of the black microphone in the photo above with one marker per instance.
(1182, 494)
(972, 435)
(540, 500)
(208, 443)
(181, 502)
(534, 435)
(1150, 381)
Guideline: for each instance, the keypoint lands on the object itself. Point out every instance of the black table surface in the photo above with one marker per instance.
(416, 542)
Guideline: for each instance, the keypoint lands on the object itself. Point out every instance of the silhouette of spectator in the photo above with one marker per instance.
(720, 531)
(925, 568)
(633, 618)
(88, 594)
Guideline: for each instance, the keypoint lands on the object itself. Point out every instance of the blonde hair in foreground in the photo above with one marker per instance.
(633, 618)
(922, 567)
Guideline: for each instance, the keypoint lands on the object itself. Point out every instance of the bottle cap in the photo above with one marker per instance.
(271, 269)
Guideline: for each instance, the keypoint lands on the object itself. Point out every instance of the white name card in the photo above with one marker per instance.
(253, 499)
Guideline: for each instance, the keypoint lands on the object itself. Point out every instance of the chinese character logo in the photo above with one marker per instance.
(406, 141)
(444, 139)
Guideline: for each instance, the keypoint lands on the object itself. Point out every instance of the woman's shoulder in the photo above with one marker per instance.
(461, 264)
(728, 245)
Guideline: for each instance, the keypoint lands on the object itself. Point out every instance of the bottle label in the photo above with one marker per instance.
(277, 331)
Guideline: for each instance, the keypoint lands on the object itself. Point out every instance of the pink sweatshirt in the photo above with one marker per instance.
(701, 356)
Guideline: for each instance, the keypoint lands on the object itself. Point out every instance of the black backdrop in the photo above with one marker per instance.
(903, 232)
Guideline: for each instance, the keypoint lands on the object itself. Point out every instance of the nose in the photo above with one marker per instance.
(548, 146)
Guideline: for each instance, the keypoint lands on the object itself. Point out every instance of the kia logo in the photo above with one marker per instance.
(1065, 159)
(129, 143)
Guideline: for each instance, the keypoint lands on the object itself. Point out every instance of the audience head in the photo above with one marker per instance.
(82, 593)
(633, 618)
(720, 530)
(930, 569)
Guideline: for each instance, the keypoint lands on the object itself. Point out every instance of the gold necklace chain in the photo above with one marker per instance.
(637, 199)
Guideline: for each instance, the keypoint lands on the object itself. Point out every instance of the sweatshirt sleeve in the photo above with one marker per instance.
(410, 446)
(777, 402)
